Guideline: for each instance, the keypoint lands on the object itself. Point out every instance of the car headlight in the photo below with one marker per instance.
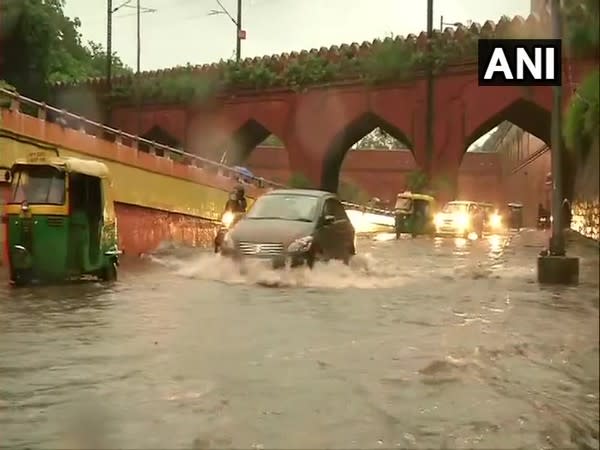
(495, 220)
(461, 220)
(438, 220)
(300, 245)
(227, 219)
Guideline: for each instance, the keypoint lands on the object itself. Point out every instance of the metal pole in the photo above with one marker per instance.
(430, 92)
(139, 36)
(238, 41)
(442, 24)
(109, 13)
(557, 243)
(137, 72)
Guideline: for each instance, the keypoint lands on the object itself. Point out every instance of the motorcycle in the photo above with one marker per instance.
(228, 220)
(544, 222)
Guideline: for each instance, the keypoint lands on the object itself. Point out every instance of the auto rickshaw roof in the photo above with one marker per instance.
(68, 164)
(425, 197)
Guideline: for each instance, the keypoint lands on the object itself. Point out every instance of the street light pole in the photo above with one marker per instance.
(557, 243)
(554, 267)
(239, 33)
(238, 42)
(139, 36)
(429, 142)
(109, 13)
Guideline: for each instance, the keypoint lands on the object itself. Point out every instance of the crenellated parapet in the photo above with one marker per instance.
(393, 58)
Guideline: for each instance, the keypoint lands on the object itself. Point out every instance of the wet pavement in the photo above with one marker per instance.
(418, 344)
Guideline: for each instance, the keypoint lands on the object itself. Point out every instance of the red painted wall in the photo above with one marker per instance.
(526, 184)
(309, 122)
(382, 173)
(141, 230)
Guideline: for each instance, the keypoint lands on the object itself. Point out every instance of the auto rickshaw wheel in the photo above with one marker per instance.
(20, 278)
(109, 272)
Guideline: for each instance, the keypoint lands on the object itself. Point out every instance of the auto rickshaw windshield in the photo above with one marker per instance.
(454, 208)
(38, 185)
(404, 204)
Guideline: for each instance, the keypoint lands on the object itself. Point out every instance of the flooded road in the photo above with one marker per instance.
(418, 344)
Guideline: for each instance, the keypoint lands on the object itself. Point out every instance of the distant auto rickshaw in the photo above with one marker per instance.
(414, 214)
(515, 211)
(460, 218)
(60, 221)
(493, 220)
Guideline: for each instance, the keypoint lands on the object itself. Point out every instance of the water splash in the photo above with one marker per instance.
(363, 272)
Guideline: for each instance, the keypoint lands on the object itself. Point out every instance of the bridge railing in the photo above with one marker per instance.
(65, 118)
(34, 108)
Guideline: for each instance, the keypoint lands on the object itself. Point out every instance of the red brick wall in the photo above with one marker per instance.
(524, 173)
(383, 173)
(141, 230)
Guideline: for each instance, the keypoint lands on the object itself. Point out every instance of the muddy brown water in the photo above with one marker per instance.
(418, 344)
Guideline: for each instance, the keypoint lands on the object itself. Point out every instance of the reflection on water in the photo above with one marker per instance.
(419, 343)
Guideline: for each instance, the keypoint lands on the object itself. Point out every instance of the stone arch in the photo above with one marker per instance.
(160, 136)
(343, 141)
(244, 140)
(524, 113)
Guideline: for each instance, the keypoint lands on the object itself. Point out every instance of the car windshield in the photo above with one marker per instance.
(403, 203)
(38, 185)
(455, 208)
(284, 207)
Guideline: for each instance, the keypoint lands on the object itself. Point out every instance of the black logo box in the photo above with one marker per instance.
(486, 47)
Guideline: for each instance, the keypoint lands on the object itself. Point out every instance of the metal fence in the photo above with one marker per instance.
(67, 119)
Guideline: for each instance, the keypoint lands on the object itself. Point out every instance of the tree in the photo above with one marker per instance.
(417, 181)
(300, 181)
(350, 192)
(272, 141)
(378, 139)
(42, 46)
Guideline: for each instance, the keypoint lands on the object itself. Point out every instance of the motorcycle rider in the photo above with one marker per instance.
(235, 204)
(237, 200)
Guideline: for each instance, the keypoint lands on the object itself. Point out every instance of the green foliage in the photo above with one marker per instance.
(242, 76)
(583, 116)
(417, 181)
(312, 70)
(379, 139)
(6, 86)
(391, 60)
(582, 30)
(42, 46)
(5, 99)
(272, 141)
(300, 181)
(350, 192)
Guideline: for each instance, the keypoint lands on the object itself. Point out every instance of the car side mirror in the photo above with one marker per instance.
(328, 219)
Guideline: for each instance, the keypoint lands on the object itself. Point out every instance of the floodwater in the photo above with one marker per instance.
(418, 344)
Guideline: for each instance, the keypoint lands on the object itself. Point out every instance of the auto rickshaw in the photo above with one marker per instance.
(515, 211)
(493, 220)
(414, 214)
(60, 221)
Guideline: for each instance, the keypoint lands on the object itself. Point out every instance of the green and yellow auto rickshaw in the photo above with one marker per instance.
(414, 214)
(60, 221)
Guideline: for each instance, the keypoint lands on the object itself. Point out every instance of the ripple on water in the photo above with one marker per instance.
(419, 343)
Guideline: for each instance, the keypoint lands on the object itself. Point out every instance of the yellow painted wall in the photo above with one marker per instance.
(136, 186)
